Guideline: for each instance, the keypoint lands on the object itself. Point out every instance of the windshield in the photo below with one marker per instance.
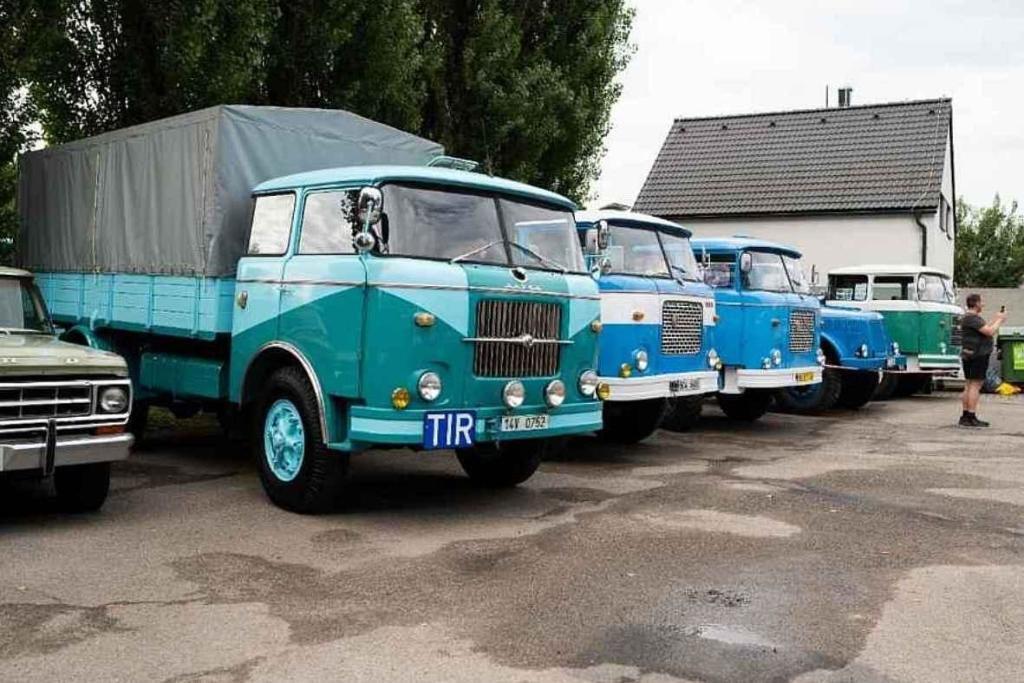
(848, 287)
(635, 251)
(445, 224)
(797, 275)
(680, 257)
(935, 288)
(21, 307)
(766, 273)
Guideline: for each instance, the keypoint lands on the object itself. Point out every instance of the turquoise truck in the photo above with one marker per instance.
(309, 274)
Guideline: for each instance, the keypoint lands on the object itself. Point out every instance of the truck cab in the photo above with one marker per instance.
(658, 320)
(63, 408)
(768, 335)
(920, 313)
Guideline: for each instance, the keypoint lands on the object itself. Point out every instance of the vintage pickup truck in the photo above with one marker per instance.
(63, 408)
(658, 317)
(374, 302)
(769, 330)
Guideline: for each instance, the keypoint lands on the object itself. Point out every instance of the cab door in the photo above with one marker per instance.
(258, 281)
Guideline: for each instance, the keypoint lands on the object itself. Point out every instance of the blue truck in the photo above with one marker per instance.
(373, 302)
(858, 353)
(658, 320)
(769, 330)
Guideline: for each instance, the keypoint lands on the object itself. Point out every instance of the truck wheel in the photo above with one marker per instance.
(298, 471)
(813, 398)
(82, 488)
(858, 388)
(683, 413)
(628, 422)
(748, 406)
(504, 464)
(886, 387)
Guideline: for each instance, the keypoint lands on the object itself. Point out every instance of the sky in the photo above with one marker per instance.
(708, 57)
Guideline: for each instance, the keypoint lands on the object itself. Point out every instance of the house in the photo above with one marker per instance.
(847, 186)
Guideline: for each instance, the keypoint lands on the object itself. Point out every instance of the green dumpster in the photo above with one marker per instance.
(1011, 343)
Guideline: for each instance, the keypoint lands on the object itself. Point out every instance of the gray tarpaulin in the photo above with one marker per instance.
(173, 196)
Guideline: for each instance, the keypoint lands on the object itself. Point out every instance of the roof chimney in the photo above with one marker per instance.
(845, 97)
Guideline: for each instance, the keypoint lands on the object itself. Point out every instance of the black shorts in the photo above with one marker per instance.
(975, 367)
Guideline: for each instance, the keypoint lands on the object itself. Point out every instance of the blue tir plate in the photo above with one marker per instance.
(449, 429)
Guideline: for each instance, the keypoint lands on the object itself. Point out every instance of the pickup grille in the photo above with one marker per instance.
(517, 339)
(956, 337)
(801, 330)
(45, 400)
(682, 328)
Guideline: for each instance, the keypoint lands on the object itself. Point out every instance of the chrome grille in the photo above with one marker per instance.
(801, 330)
(956, 337)
(35, 400)
(682, 327)
(526, 338)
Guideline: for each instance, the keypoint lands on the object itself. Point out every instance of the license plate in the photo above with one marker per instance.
(805, 377)
(523, 423)
(678, 386)
(449, 429)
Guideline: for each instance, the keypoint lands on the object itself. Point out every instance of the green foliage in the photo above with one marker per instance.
(989, 245)
(15, 118)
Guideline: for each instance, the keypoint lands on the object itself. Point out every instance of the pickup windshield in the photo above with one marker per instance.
(478, 228)
(21, 308)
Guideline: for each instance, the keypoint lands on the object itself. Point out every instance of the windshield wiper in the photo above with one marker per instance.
(474, 252)
(542, 259)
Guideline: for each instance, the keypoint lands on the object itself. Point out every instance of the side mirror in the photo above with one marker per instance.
(590, 247)
(705, 258)
(814, 274)
(606, 265)
(371, 202)
(602, 235)
(746, 262)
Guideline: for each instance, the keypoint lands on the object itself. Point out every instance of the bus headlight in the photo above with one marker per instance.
(713, 360)
(895, 348)
(640, 360)
(554, 393)
(863, 351)
(588, 383)
(513, 394)
(429, 386)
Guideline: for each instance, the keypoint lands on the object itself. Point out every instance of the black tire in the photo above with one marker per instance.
(321, 475)
(504, 464)
(82, 488)
(858, 388)
(748, 406)
(683, 413)
(627, 422)
(908, 385)
(886, 387)
(138, 420)
(813, 398)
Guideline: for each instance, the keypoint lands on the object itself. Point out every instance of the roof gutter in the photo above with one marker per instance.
(924, 236)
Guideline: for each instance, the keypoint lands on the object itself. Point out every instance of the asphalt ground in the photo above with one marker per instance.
(880, 545)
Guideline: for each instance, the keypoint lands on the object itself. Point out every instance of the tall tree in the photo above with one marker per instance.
(15, 116)
(989, 245)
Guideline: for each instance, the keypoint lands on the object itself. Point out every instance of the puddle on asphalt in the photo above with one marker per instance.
(713, 521)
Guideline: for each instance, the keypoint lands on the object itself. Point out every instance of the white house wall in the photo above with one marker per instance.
(829, 242)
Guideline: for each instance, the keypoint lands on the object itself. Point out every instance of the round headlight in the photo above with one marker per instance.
(942, 347)
(895, 348)
(429, 386)
(554, 393)
(766, 363)
(821, 357)
(640, 360)
(588, 383)
(114, 400)
(513, 394)
(713, 359)
(864, 351)
(776, 357)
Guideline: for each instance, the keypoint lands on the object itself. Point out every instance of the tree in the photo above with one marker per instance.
(15, 118)
(989, 245)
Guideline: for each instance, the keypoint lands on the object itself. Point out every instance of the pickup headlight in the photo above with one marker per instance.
(113, 400)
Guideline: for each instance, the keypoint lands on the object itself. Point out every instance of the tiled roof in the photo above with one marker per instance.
(886, 157)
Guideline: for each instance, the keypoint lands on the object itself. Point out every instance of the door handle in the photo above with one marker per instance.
(242, 299)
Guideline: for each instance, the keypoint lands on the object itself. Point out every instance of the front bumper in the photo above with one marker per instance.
(872, 364)
(370, 427)
(738, 380)
(36, 454)
(662, 386)
(936, 364)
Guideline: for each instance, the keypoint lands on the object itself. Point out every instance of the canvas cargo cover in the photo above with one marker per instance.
(173, 196)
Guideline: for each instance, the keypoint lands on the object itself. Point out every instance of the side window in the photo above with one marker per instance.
(891, 288)
(327, 222)
(271, 225)
(720, 269)
(848, 287)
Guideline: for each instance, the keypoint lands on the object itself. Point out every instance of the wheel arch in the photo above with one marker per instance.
(86, 336)
(272, 357)
(833, 351)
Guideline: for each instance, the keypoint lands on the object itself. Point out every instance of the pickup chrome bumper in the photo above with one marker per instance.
(54, 451)
(644, 387)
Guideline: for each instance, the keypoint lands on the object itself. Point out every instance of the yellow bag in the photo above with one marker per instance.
(1005, 389)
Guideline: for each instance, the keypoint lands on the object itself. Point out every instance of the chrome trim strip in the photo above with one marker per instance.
(310, 372)
(411, 285)
(517, 340)
(274, 281)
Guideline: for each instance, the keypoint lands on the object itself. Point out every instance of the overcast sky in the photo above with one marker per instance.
(708, 57)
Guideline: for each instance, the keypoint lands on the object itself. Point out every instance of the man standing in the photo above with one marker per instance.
(977, 347)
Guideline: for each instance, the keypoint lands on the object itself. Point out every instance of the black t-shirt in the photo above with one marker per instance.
(974, 340)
